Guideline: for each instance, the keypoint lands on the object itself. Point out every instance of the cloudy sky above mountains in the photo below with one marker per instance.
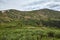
(26, 5)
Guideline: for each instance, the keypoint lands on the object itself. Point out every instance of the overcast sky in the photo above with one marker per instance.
(26, 5)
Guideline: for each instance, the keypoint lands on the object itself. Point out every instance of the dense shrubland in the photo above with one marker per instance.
(32, 25)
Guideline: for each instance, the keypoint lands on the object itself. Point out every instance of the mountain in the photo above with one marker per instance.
(44, 16)
(37, 14)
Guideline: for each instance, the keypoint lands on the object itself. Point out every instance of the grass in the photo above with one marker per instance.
(27, 33)
(18, 31)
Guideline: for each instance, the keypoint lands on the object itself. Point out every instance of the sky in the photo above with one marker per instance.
(28, 5)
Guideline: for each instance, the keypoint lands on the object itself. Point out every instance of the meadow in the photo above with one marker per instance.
(11, 31)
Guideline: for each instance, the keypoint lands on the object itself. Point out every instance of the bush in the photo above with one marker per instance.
(57, 35)
(50, 34)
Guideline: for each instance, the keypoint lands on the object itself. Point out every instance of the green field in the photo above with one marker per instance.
(10, 31)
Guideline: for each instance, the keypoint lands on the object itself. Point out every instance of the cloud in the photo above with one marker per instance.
(26, 5)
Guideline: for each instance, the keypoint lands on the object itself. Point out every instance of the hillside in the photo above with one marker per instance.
(38, 25)
(44, 17)
(38, 14)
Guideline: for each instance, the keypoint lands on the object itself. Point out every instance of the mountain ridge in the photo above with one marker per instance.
(29, 11)
(37, 13)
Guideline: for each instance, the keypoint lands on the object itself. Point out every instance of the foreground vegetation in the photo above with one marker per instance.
(29, 34)
(12, 31)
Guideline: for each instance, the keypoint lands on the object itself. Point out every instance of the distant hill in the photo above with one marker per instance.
(37, 14)
(30, 16)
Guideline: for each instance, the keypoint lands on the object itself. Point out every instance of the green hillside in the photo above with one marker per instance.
(37, 14)
(41, 24)
(44, 17)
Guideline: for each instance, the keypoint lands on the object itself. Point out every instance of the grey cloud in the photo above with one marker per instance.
(29, 4)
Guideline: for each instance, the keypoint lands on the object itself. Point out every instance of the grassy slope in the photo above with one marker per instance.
(17, 25)
(28, 33)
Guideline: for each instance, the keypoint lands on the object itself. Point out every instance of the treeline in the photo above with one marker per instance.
(39, 23)
(35, 23)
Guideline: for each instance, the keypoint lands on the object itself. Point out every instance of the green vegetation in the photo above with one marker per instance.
(27, 33)
(31, 25)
